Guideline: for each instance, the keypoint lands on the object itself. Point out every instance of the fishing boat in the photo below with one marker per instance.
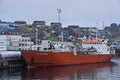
(51, 53)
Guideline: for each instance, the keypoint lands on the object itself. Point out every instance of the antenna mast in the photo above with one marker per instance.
(96, 31)
(103, 25)
(59, 20)
(59, 15)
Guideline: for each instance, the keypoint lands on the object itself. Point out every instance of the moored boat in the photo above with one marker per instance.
(51, 53)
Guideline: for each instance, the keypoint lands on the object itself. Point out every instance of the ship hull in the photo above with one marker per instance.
(47, 59)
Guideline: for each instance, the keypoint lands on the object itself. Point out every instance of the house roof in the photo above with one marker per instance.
(92, 41)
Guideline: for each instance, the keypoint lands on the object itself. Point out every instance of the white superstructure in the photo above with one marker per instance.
(100, 45)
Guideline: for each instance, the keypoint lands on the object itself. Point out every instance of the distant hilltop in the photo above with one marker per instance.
(54, 29)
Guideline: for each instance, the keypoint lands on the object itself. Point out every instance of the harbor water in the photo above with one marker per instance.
(96, 71)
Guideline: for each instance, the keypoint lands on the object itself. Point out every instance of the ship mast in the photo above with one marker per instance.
(103, 31)
(36, 35)
(62, 36)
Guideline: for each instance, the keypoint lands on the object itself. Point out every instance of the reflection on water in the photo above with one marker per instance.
(12, 74)
(85, 72)
(97, 71)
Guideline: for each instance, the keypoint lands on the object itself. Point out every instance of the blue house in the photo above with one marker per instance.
(5, 25)
(65, 33)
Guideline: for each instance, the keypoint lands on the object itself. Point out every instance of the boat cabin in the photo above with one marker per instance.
(100, 46)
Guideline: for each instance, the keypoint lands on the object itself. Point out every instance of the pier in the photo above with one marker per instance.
(9, 63)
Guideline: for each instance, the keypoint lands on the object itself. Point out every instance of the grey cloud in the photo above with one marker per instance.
(81, 12)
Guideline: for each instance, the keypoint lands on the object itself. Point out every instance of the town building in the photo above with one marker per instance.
(113, 31)
(14, 42)
(87, 32)
(6, 25)
(39, 23)
(56, 25)
(20, 23)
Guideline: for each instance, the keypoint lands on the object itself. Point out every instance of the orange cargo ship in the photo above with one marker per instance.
(66, 53)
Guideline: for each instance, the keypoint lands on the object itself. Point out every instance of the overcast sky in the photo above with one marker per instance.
(84, 13)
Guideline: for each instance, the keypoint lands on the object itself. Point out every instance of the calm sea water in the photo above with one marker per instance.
(97, 71)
